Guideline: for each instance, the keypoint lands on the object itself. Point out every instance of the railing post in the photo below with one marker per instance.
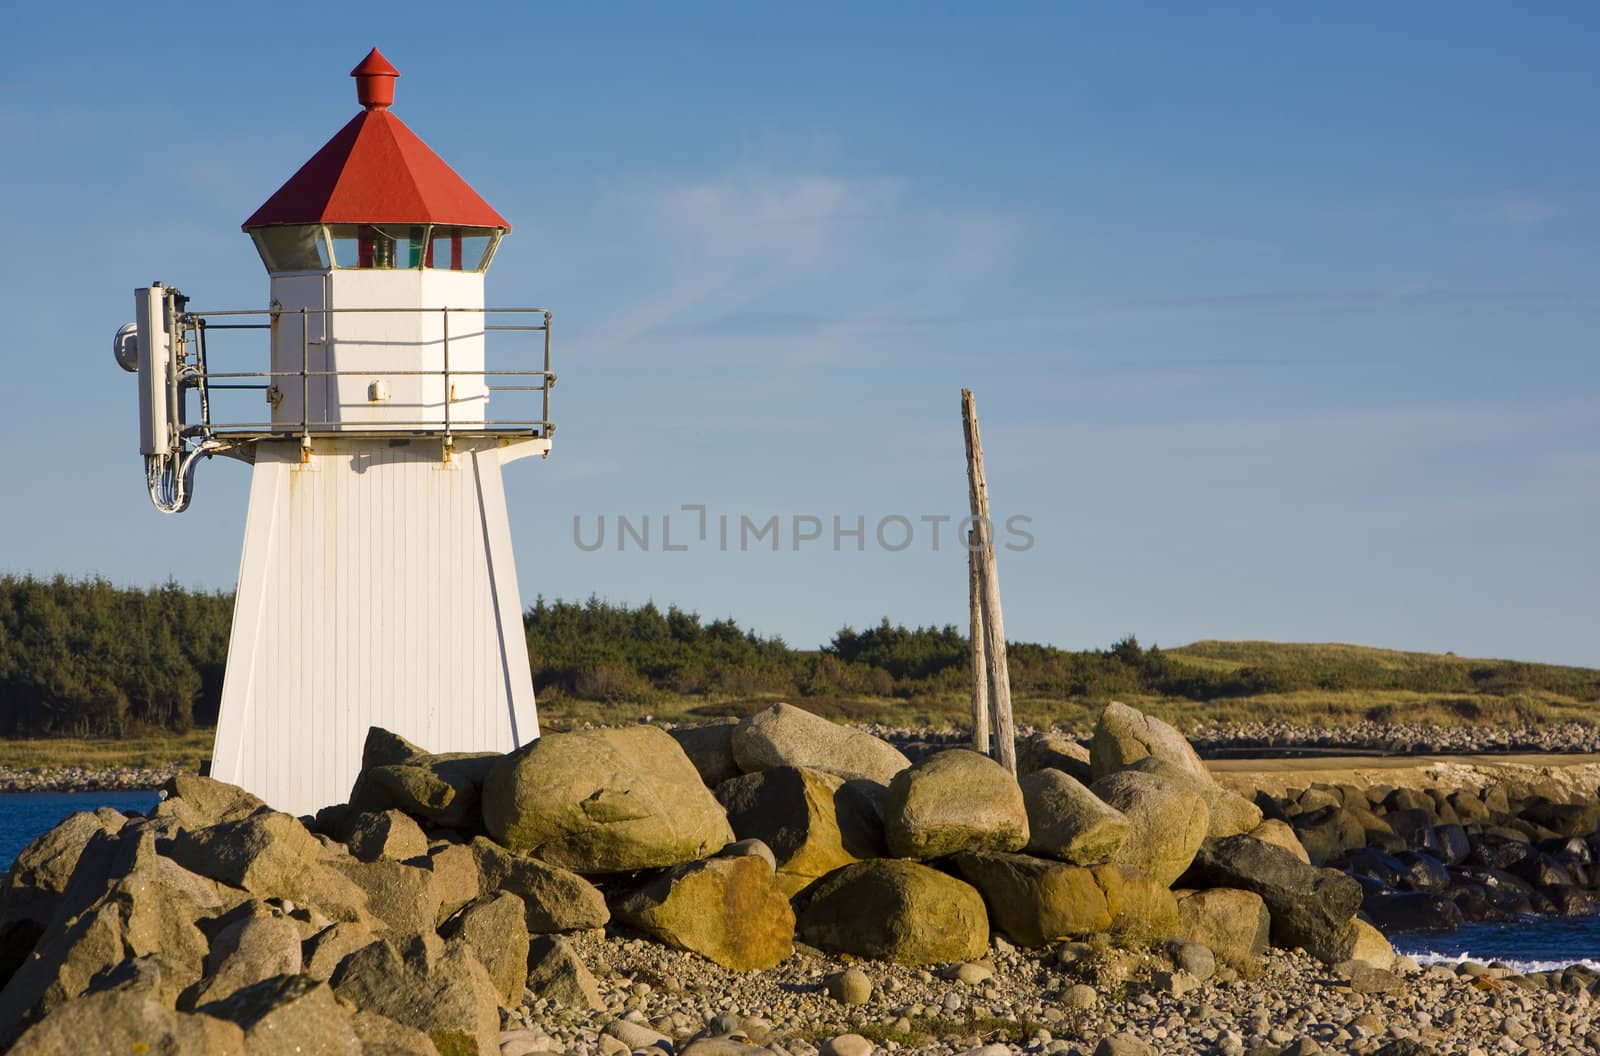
(305, 386)
(544, 415)
(449, 441)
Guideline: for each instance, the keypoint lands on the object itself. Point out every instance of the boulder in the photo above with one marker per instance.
(553, 899)
(493, 927)
(1308, 905)
(955, 800)
(556, 973)
(604, 801)
(894, 910)
(1142, 909)
(127, 1021)
(289, 1014)
(382, 1036)
(456, 878)
(1124, 735)
(151, 908)
(1230, 813)
(401, 896)
(322, 952)
(256, 947)
(785, 735)
(1035, 901)
(728, 910)
(450, 997)
(710, 749)
(389, 834)
(1166, 822)
(1049, 750)
(442, 789)
(195, 802)
(1067, 821)
(812, 821)
(33, 888)
(1411, 911)
(269, 855)
(1234, 923)
(1358, 941)
(1280, 834)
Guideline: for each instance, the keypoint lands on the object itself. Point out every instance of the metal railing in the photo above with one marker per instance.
(192, 373)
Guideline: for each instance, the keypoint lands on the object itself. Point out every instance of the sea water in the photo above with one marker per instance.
(1529, 944)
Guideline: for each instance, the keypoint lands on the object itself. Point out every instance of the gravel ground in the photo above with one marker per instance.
(1293, 1007)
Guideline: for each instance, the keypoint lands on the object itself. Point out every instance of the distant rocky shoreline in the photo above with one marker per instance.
(79, 779)
(1268, 739)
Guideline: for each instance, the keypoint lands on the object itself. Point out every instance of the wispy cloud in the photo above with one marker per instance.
(761, 254)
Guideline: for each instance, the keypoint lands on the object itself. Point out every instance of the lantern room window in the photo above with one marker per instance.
(389, 246)
(292, 248)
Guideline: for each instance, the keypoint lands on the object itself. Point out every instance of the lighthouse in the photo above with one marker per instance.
(377, 585)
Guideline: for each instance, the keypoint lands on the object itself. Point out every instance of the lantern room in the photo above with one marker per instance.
(377, 250)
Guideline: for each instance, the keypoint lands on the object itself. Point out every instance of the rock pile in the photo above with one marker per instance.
(454, 890)
(1430, 859)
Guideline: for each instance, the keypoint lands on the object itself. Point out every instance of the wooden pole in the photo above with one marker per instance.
(994, 636)
(980, 671)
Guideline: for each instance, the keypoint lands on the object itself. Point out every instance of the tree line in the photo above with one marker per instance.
(83, 657)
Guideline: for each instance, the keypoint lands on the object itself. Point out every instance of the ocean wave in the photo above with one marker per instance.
(1521, 967)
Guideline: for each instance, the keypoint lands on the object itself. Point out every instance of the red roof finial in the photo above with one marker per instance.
(375, 81)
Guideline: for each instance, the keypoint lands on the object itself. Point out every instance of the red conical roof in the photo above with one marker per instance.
(376, 171)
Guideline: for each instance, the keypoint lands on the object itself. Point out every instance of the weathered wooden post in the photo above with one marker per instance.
(994, 632)
(980, 673)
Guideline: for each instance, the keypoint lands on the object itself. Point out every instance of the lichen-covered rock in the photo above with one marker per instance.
(955, 800)
(127, 1021)
(195, 802)
(812, 821)
(553, 899)
(450, 998)
(289, 1014)
(269, 855)
(150, 908)
(1280, 834)
(456, 878)
(254, 947)
(1234, 923)
(895, 910)
(493, 926)
(440, 788)
(728, 910)
(556, 973)
(604, 801)
(1166, 822)
(1067, 821)
(1142, 908)
(785, 735)
(37, 879)
(400, 895)
(1230, 813)
(1036, 901)
(1124, 735)
(390, 834)
(321, 953)
(1049, 750)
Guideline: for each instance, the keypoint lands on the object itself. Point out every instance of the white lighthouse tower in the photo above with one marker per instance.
(377, 585)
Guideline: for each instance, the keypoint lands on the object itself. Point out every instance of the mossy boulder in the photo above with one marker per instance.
(604, 801)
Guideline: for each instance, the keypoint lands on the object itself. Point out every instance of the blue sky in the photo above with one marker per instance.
(1281, 319)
